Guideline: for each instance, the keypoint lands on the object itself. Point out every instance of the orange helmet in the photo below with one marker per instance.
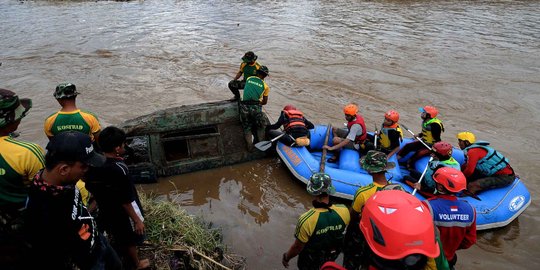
(443, 148)
(396, 225)
(392, 116)
(432, 111)
(452, 179)
(289, 107)
(350, 109)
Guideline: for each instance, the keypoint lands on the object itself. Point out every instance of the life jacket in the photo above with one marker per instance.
(427, 137)
(384, 139)
(447, 213)
(358, 120)
(492, 162)
(434, 165)
(294, 119)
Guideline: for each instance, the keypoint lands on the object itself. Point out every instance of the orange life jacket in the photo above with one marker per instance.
(294, 119)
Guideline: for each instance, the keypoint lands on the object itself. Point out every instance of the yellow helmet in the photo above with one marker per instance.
(466, 136)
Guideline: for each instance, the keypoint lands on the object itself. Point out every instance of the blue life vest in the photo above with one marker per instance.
(433, 165)
(492, 162)
(447, 213)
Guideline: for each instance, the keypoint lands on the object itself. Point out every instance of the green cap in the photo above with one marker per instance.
(375, 162)
(320, 183)
(65, 90)
(12, 108)
(249, 57)
(264, 70)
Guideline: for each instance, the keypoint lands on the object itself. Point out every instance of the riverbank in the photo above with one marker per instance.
(178, 240)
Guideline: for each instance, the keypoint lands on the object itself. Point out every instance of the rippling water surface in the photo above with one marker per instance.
(477, 61)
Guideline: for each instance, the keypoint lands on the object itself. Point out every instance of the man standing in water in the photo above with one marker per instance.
(19, 162)
(70, 117)
(248, 68)
(251, 115)
(319, 232)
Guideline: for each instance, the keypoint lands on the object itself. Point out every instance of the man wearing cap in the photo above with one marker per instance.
(70, 117)
(485, 167)
(248, 68)
(56, 215)
(251, 115)
(376, 164)
(319, 231)
(19, 162)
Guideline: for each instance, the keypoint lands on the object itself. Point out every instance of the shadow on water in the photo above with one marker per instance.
(499, 240)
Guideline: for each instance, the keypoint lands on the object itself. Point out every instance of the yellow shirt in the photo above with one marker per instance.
(19, 162)
(307, 223)
(363, 194)
(81, 121)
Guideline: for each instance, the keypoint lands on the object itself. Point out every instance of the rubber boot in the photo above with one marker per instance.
(233, 86)
(249, 141)
(260, 134)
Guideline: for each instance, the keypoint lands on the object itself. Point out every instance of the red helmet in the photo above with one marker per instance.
(392, 116)
(396, 224)
(432, 111)
(289, 107)
(452, 179)
(443, 148)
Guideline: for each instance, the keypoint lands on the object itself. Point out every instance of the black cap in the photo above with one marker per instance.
(75, 146)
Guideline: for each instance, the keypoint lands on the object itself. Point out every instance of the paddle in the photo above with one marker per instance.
(264, 145)
(414, 135)
(423, 173)
(323, 156)
(375, 137)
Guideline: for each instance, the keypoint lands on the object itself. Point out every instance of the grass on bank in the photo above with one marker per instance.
(182, 241)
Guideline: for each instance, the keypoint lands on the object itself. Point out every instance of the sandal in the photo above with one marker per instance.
(332, 159)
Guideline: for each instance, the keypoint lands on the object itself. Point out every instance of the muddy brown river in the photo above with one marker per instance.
(477, 61)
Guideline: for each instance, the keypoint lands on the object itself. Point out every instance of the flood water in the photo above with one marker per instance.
(477, 61)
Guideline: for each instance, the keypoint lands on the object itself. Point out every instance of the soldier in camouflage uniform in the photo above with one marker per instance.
(319, 231)
(70, 117)
(19, 162)
(248, 68)
(251, 115)
(376, 164)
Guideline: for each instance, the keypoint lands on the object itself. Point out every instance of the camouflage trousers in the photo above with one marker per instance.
(313, 260)
(235, 86)
(252, 119)
(354, 256)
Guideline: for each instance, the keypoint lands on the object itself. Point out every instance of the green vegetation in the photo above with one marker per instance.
(181, 241)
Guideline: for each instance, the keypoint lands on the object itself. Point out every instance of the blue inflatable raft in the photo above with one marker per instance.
(496, 208)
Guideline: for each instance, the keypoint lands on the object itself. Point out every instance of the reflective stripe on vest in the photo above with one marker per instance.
(385, 139)
(358, 120)
(427, 136)
(447, 213)
(293, 119)
(492, 162)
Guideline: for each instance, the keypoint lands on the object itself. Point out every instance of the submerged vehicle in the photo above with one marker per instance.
(184, 139)
(495, 208)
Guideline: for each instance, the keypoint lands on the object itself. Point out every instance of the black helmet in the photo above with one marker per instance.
(249, 57)
(263, 70)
